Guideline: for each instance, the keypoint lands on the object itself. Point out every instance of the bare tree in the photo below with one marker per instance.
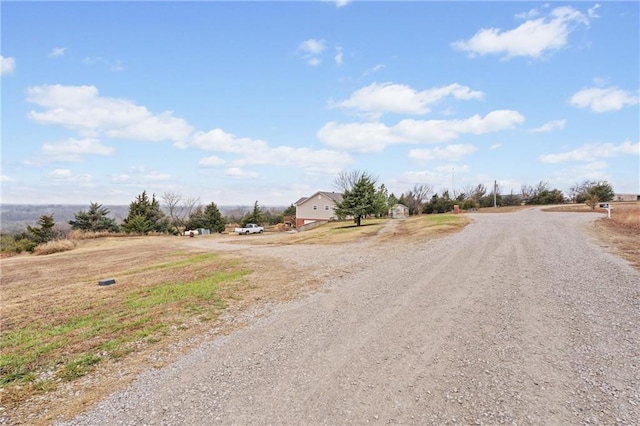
(347, 179)
(172, 203)
(417, 197)
(189, 205)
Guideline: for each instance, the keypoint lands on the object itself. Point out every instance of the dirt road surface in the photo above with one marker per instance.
(521, 318)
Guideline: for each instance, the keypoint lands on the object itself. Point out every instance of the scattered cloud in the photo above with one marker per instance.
(592, 11)
(375, 137)
(311, 50)
(495, 146)
(236, 172)
(7, 65)
(74, 149)
(67, 175)
(339, 56)
(595, 170)
(448, 153)
(5, 178)
(57, 51)
(528, 15)
(533, 38)
(115, 66)
(342, 3)
(373, 69)
(212, 161)
(82, 109)
(603, 99)
(399, 98)
(550, 126)
(258, 152)
(593, 152)
(137, 175)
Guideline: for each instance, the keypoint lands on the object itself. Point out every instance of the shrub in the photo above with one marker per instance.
(56, 246)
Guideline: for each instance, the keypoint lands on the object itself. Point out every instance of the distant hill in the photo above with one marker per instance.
(15, 217)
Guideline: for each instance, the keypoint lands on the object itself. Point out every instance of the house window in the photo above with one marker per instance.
(315, 207)
(326, 208)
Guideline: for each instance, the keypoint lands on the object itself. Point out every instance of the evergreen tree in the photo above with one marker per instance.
(359, 200)
(213, 218)
(94, 220)
(44, 232)
(145, 216)
(255, 216)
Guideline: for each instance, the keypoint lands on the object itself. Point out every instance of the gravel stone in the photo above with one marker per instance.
(521, 318)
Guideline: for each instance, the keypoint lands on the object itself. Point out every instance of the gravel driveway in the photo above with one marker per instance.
(520, 318)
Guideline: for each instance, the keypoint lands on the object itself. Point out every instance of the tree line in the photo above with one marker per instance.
(361, 198)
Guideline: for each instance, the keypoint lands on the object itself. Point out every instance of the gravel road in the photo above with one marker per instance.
(521, 318)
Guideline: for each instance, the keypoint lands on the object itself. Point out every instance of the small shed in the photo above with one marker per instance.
(399, 211)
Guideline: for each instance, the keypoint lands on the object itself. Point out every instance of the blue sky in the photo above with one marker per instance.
(234, 102)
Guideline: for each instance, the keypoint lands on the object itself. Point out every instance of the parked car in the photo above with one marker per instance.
(250, 228)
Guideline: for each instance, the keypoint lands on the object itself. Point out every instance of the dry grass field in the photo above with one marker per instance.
(67, 342)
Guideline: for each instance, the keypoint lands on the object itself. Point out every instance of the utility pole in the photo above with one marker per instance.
(453, 187)
(495, 190)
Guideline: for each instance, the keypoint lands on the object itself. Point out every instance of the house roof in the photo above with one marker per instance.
(335, 196)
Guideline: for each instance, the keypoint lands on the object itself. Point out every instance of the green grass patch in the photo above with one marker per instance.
(68, 344)
(79, 367)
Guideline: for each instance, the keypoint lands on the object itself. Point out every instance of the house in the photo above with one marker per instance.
(320, 207)
(627, 197)
(399, 211)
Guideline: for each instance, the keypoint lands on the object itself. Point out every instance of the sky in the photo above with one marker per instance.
(237, 102)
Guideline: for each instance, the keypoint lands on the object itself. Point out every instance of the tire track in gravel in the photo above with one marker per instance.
(508, 321)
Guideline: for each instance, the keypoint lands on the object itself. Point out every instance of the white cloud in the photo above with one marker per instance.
(533, 38)
(495, 146)
(593, 152)
(115, 66)
(311, 50)
(57, 51)
(73, 149)
(528, 15)
(592, 11)
(312, 46)
(339, 56)
(80, 108)
(5, 178)
(138, 175)
(399, 98)
(600, 99)
(66, 175)
(257, 152)
(590, 171)
(551, 125)
(236, 172)
(373, 69)
(7, 65)
(211, 161)
(61, 174)
(448, 153)
(374, 137)
(342, 3)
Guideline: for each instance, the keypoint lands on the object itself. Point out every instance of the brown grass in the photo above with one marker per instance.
(68, 342)
(621, 232)
(56, 246)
